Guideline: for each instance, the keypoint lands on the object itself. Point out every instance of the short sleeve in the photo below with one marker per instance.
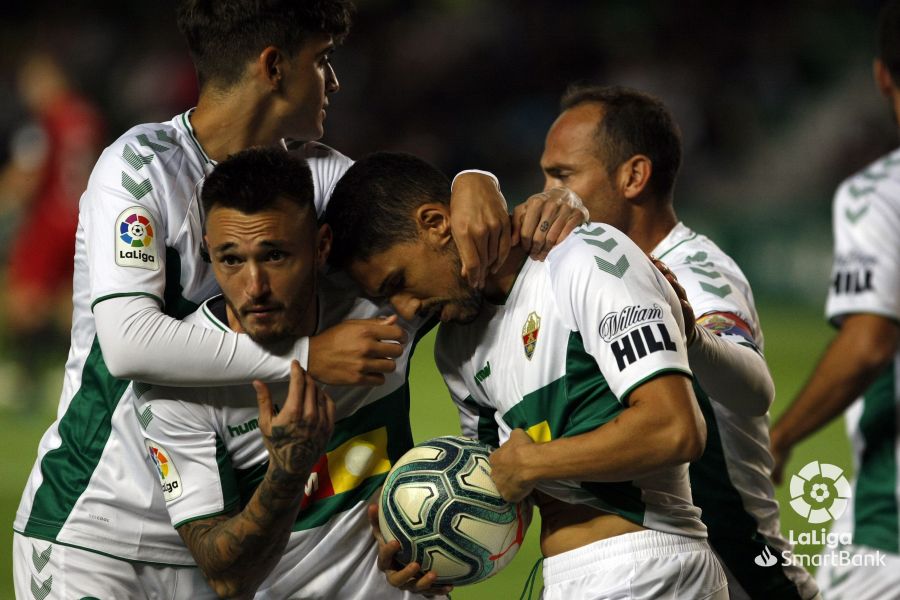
(124, 225)
(865, 276)
(628, 316)
(190, 459)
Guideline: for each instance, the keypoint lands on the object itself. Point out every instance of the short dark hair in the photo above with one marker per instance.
(224, 35)
(253, 180)
(888, 38)
(373, 205)
(633, 123)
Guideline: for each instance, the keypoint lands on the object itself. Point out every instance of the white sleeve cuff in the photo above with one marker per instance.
(479, 171)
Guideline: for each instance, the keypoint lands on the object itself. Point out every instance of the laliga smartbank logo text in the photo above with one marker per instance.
(819, 493)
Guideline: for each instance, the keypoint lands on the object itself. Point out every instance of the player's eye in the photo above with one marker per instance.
(275, 255)
(229, 260)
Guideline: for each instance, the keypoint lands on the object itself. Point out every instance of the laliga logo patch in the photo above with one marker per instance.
(134, 240)
(530, 334)
(820, 492)
(165, 468)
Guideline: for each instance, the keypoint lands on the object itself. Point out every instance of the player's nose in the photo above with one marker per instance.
(332, 84)
(405, 305)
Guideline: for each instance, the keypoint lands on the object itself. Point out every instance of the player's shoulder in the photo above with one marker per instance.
(876, 187)
(596, 247)
(152, 149)
(316, 153)
(686, 251)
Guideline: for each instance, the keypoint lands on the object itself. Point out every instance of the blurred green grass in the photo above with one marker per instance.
(795, 337)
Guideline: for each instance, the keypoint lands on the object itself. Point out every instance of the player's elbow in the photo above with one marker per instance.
(121, 365)
(758, 398)
(688, 438)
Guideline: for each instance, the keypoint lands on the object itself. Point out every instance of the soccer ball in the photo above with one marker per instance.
(440, 503)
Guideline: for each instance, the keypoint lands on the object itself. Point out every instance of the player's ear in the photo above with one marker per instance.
(633, 175)
(323, 245)
(433, 220)
(883, 79)
(268, 67)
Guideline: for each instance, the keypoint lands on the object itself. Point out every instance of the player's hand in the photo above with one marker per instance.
(506, 464)
(480, 225)
(545, 219)
(687, 311)
(357, 351)
(409, 577)
(781, 453)
(297, 435)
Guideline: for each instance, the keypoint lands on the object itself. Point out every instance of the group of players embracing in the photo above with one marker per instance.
(246, 302)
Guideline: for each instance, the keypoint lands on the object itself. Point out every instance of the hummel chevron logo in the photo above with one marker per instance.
(143, 140)
(855, 215)
(617, 269)
(136, 160)
(721, 292)
(606, 245)
(145, 417)
(138, 190)
(41, 591)
(40, 560)
(710, 274)
(858, 192)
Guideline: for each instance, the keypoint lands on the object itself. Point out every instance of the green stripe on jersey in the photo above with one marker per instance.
(391, 412)
(875, 510)
(487, 425)
(84, 430)
(733, 532)
(176, 305)
(578, 402)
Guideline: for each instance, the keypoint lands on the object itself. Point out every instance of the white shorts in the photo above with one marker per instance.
(875, 576)
(47, 571)
(636, 566)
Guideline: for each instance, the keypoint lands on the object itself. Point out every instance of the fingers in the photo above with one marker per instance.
(531, 216)
(307, 390)
(502, 245)
(264, 402)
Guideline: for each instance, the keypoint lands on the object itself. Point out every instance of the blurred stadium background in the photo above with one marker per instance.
(775, 101)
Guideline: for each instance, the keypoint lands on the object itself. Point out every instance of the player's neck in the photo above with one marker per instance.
(649, 227)
(498, 285)
(228, 123)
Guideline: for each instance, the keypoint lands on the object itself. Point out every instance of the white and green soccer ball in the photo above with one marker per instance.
(440, 503)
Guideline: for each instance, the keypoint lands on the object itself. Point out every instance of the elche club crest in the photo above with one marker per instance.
(530, 333)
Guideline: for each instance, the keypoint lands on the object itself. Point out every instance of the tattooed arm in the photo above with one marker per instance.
(237, 552)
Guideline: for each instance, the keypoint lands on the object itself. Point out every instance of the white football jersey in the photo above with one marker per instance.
(866, 279)
(209, 455)
(139, 233)
(575, 336)
(731, 482)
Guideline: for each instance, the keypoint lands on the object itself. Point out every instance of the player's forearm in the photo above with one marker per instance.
(236, 554)
(141, 343)
(860, 351)
(733, 375)
(642, 439)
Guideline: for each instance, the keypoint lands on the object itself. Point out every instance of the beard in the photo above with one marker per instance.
(469, 300)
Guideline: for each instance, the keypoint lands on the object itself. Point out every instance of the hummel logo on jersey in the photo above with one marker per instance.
(641, 342)
(243, 428)
(483, 373)
(852, 281)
